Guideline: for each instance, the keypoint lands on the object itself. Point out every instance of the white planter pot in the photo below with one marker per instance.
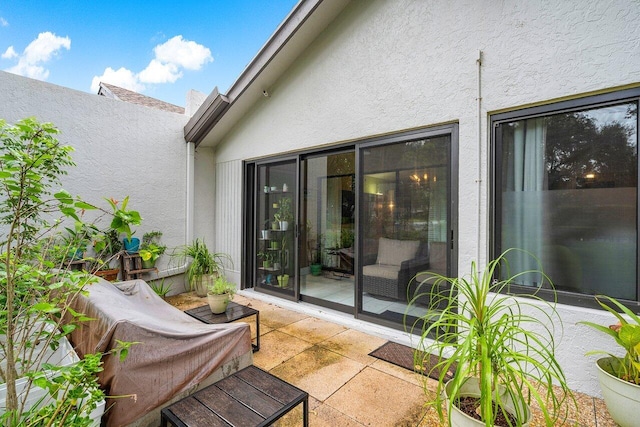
(471, 387)
(201, 284)
(284, 225)
(64, 355)
(218, 303)
(621, 397)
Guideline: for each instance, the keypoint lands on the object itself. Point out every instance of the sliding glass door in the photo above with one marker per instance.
(275, 228)
(354, 228)
(405, 223)
(327, 212)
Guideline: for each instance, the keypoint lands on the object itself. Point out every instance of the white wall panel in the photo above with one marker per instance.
(121, 150)
(386, 66)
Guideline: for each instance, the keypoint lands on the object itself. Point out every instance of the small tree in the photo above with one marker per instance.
(36, 287)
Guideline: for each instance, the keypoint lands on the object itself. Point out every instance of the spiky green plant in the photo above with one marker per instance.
(473, 325)
(626, 334)
(203, 261)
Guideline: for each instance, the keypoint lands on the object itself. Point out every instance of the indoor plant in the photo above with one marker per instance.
(619, 377)
(205, 265)
(285, 214)
(316, 263)
(500, 346)
(151, 249)
(219, 293)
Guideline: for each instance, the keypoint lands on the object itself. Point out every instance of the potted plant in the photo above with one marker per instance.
(205, 265)
(151, 249)
(316, 263)
(283, 280)
(284, 214)
(76, 240)
(219, 293)
(43, 381)
(619, 377)
(502, 348)
(122, 222)
(267, 258)
(108, 248)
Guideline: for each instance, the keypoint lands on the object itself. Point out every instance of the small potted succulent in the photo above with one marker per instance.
(219, 293)
(619, 376)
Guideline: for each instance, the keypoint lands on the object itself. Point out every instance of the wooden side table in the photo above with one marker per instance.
(234, 312)
(250, 397)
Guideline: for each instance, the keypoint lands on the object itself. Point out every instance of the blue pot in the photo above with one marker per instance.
(132, 245)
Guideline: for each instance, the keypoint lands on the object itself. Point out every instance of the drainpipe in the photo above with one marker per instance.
(480, 159)
(189, 209)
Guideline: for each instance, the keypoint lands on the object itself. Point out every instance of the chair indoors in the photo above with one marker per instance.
(389, 272)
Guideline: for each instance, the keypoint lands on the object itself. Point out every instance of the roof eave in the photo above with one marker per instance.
(276, 51)
(206, 117)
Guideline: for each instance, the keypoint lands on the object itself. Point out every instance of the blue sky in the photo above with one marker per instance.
(159, 48)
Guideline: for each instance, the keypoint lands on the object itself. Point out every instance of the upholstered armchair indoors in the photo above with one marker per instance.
(396, 263)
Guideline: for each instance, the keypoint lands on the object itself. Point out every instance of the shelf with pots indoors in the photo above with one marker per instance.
(274, 261)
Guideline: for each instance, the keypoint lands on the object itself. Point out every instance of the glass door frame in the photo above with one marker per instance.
(452, 211)
(250, 187)
(326, 153)
(251, 200)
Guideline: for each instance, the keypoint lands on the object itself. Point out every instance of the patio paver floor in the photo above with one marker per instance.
(347, 387)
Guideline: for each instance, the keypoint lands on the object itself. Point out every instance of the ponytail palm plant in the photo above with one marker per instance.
(475, 329)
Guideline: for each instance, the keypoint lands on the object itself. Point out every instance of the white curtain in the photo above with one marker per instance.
(523, 199)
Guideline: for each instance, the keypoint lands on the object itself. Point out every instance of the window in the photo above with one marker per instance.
(566, 190)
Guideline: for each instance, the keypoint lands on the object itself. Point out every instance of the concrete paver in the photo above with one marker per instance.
(347, 387)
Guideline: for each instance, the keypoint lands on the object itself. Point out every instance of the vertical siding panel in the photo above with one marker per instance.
(228, 210)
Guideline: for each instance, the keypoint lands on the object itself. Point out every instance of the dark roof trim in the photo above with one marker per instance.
(209, 113)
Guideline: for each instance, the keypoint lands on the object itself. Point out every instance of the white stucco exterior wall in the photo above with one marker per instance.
(387, 66)
(121, 150)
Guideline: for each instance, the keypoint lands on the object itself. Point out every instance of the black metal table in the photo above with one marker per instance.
(234, 312)
(250, 397)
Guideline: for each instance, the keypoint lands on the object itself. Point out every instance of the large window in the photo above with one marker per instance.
(567, 191)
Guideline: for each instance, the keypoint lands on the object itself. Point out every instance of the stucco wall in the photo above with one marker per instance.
(120, 149)
(386, 66)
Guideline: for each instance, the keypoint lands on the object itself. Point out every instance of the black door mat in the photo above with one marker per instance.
(403, 356)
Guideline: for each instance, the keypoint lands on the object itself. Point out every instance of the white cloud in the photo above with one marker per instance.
(171, 57)
(185, 53)
(157, 72)
(3, 22)
(120, 77)
(39, 51)
(9, 53)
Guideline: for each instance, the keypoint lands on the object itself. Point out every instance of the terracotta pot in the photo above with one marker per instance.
(110, 275)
